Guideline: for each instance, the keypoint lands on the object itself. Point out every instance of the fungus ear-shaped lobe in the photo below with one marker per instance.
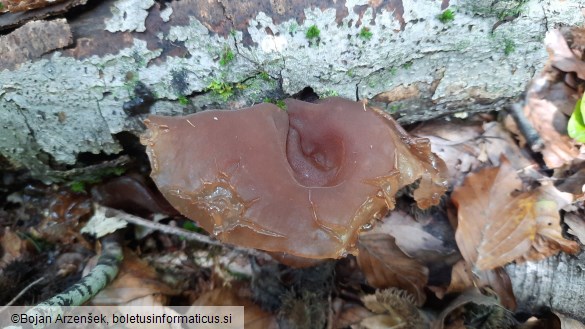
(302, 182)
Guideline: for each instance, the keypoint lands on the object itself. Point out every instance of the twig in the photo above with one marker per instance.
(22, 292)
(187, 235)
(193, 236)
(532, 137)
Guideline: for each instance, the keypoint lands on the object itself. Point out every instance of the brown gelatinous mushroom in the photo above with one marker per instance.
(303, 182)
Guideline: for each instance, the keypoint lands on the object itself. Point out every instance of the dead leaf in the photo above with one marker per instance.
(385, 265)
(491, 311)
(137, 282)
(576, 226)
(496, 227)
(561, 55)
(463, 278)
(569, 323)
(238, 295)
(12, 247)
(465, 147)
(426, 242)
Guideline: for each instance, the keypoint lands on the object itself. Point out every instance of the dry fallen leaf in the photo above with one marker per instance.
(576, 226)
(496, 227)
(463, 278)
(491, 312)
(12, 247)
(569, 323)
(562, 56)
(551, 97)
(137, 282)
(385, 265)
(237, 295)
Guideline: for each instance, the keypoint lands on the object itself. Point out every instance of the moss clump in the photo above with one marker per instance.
(365, 33)
(446, 16)
(79, 185)
(183, 100)
(264, 76)
(226, 57)
(313, 32)
(222, 89)
(509, 46)
(280, 103)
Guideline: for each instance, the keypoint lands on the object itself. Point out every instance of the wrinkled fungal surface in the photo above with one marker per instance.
(304, 181)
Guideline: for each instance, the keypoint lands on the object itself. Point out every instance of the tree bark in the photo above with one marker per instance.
(59, 102)
(555, 283)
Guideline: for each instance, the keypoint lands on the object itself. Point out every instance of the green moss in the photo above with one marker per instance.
(394, 108)
(183, 100)
(80, 183)
(365, 33)
(77, 187)
(446, 16)
(509, 46)
(264, 76)
(329, 93)
(222, 89)
(226, 57)
(1, 5)
(407, 65)
(280, 103)
(313, 32)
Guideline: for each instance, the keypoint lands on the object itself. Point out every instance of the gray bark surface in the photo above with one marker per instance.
(69, 101)
(557, 283)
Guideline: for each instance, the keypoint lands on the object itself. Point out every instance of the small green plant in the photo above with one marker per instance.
(394, 108)
(509, 46)
(313, 32)
(222, 89)
(183, 100)
(79, 185)
(264, 76)
(365, 33)
(446, 16)
(226, 57)
(576, 125)
(329, 93)
(407, 65)
(280, 103)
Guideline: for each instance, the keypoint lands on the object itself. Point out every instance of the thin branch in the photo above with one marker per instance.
(526, 128)
(187, 235)
(22, 292)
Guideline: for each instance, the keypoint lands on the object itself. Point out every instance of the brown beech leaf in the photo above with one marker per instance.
(463, 278)
(238, 295)
(569, 323)
(385, 265)
(472, 296)
(562, 56)
(496, 227)
(576, 226)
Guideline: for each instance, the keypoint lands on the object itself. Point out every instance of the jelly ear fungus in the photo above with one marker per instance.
(302, 182)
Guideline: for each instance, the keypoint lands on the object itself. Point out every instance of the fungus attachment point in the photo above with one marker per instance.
(303, 182)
